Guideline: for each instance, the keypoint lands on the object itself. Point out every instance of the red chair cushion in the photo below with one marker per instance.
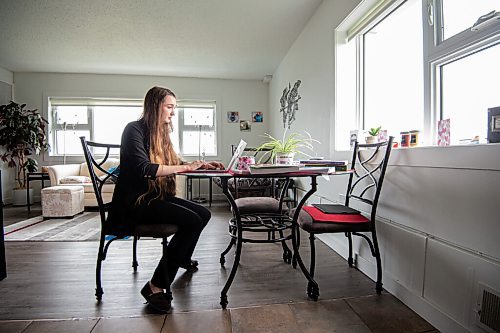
(319, 216)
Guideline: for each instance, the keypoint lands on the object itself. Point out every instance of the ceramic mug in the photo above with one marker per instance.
(244, 163)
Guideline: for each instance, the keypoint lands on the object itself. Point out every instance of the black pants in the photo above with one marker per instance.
(190, 218)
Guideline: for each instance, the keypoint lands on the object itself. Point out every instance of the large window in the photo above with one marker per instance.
(103, 120)
(418, 62)
(469, 87)
(393, 71)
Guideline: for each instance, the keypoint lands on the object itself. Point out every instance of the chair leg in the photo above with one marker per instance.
(100, 258)
(350, 260)
(222, 259)
(165, 244)
(297, 240)
(312, 290)
(376, 254)
(232, 242)
(312, 266)
(287, 253)
(134, 259)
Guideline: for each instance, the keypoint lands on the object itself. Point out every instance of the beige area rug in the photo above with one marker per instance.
(82, 227)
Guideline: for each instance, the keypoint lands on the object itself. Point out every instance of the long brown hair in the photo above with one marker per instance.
(161, 149)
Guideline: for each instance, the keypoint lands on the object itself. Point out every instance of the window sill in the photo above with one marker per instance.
(476, 156)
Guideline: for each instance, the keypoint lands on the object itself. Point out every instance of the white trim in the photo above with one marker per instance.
(369, 17)
(6, 76)
(420, 305)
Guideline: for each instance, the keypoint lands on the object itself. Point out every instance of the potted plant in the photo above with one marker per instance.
(373, 133)
(22, 134)
(283, 151)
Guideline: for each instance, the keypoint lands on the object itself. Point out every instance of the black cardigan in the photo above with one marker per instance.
(135, 170)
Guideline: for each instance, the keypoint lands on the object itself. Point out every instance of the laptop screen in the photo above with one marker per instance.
(237, 153)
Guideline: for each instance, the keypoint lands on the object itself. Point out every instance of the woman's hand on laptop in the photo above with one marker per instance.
(212, 165)
(195, 165)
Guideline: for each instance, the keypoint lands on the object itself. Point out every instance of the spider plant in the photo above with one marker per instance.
(295, 143)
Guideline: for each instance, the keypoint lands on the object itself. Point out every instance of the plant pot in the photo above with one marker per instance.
(19, 197)
(371, 139)
(284, 158)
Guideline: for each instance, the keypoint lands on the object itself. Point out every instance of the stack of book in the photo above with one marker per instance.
(317, 164)
(261, 169)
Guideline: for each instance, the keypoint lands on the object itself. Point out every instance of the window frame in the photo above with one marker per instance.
(53, 127)
(436, 53)
(202, 104)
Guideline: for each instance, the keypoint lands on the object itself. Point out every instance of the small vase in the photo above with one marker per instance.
(371, 139)
(284, 158)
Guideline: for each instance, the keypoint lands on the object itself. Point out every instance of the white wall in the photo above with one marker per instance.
(244, 96)
(439, 223)
(8, 78)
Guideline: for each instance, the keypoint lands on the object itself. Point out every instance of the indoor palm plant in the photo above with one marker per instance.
(283, 151)
(22, 134)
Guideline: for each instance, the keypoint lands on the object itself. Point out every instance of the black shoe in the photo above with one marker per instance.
(191, 266)
(161, 302)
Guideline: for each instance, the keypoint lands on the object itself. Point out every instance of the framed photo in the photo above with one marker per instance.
(494, 125)
(257, 117)
(233, 116)
(245, 126)
(382, 136)
(353, 137)
(443, 138)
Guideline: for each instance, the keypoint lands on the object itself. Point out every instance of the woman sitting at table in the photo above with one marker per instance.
(145, 192)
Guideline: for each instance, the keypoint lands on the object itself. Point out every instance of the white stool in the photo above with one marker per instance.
(62, 201)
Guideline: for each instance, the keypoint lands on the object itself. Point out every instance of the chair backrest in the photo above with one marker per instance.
(98, 166)
(369, 162)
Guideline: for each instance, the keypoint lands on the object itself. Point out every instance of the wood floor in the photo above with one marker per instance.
(50, 288)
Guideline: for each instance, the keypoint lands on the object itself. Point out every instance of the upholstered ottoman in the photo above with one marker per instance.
(62, 201)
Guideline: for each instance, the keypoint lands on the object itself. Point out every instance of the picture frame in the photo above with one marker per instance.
(257, 117)
(245, 126)
(494, 125)
(354, 135)
(233, 116)
(443, 134)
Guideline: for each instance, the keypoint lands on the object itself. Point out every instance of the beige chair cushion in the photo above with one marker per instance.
(74, 180)
(259, 205)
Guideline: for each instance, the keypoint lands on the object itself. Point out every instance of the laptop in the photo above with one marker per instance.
(237, 153)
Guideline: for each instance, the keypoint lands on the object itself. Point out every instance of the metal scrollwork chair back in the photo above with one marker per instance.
(369, 162)
(108, 176)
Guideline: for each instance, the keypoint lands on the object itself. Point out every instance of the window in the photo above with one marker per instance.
(393, 71)
(197, 128)
(417, 62)
(71, 118)
(469, 86)
(459, 15)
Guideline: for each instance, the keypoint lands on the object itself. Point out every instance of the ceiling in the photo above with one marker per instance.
(232, 39)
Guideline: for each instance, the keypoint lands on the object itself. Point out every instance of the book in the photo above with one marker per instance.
(341, 168)
(319, 169)
(322, 163)
(259, 169)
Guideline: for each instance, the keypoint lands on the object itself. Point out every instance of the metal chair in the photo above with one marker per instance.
(100, 177)
(261, 213)
(365, 184)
